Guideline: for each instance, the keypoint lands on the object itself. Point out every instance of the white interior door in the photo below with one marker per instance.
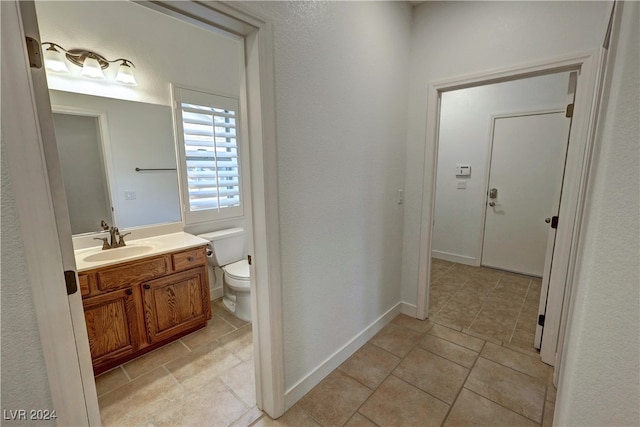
(525, 181)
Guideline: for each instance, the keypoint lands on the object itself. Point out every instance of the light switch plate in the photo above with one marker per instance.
(463, 170)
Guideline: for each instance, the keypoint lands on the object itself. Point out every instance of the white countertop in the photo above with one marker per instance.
(95, 257)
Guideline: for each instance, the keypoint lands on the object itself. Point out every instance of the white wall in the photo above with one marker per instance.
(341, 85)
(163, 49)
(24, 379)
(138, 135)
(465, 138)
(600, 378)
(454, 39)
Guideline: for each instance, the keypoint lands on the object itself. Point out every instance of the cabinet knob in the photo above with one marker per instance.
(147, 286)
(129, 292)
(191, 259)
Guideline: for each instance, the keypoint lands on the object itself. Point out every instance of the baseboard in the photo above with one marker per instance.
(460, 259)
(215, 293)
(408, 309)
(302, 387)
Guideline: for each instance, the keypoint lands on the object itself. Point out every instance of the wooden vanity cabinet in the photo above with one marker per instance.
(112, 325)
(134, 307)
(175, 303)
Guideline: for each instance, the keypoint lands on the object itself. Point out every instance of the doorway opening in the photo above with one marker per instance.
(501, 158)
(74, 371)
(128, 179)
(587, 68)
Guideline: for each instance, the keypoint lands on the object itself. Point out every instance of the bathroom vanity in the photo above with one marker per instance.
(144, 296)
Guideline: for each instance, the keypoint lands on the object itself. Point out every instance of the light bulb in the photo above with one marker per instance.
(54, 60)
(125, 75)
(92, 68)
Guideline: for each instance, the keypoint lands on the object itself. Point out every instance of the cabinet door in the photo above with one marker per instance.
(176, 303)
(112, 325)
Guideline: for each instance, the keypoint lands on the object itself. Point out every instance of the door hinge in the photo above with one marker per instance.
(35, 54)
(554, 222)
(249, 259)
(569, 111)
(70, 280)
(541, 319)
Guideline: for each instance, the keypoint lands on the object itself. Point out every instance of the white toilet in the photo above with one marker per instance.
(226, 249)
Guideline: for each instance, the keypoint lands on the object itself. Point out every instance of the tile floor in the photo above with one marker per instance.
(493, 303)
(178, 384)
(472, 363)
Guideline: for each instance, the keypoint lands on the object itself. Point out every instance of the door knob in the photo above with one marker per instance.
(492, 203)
(547, 220)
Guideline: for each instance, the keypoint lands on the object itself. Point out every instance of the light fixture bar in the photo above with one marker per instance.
(92, 63)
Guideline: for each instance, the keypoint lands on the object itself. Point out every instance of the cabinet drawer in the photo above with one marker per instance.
(188, 259)
(132, 273)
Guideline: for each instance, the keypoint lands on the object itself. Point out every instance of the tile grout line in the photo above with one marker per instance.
(387, 376)
(502, 406)
(126, 374)
(524, 300)
(484, 303)
(514, 370)
(184, 345)
(497, 403)
(425, 392)
(452, 295)
(232, 391)
(463, 384)
(464, 346)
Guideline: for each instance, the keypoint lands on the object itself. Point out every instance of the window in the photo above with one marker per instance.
(208, 148)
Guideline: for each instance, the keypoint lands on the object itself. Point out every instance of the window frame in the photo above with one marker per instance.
(180, 95)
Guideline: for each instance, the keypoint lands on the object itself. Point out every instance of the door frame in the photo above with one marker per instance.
(493, 119)
(43, 212)
(590, 67)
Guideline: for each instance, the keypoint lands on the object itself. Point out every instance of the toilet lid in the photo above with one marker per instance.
(238, 270)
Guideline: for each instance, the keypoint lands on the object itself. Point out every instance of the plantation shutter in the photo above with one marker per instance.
(211, 175)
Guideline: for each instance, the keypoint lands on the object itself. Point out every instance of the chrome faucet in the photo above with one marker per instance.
(116, 240)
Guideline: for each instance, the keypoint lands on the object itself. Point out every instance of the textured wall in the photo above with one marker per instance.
(24, 378)
(600, 381)
(454, 39)
(341, 84)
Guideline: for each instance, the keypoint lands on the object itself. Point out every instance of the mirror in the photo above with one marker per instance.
(118, 161)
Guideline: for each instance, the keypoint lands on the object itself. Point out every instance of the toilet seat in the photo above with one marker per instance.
(238, 270)
(237, 275)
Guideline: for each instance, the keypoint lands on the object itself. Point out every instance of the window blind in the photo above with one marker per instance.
(211, 155)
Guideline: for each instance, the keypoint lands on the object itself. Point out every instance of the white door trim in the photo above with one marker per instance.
(263, 229)
(46, 254)
(576, 173)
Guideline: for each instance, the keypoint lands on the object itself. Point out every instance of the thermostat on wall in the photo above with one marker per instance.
(463, 170)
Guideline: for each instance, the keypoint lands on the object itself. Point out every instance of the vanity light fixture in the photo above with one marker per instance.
(92, 63)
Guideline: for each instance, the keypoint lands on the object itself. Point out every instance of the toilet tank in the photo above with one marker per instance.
(227, 245)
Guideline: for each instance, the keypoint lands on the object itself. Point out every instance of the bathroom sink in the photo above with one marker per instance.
(118, 253)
